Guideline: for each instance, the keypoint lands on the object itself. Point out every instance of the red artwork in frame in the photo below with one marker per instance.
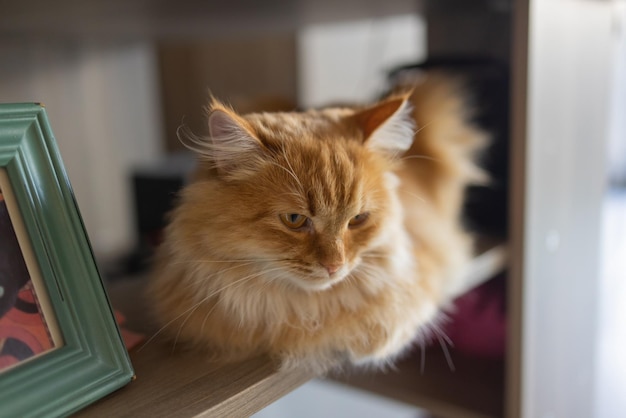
(25, 331)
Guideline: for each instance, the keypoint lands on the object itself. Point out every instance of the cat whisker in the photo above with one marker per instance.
(443, 339)
(234, 260)
(351, 279)
(421, 199)
(425, 125)
(374, 274)
(442, 333)
(243, 279)
(157, 333)
(240, 282)
(190, 140)
(422, 358)
(213, 293)
(196, 271)
(208, 314)
(369, 273)
(192, 309)
(374, 255)
(206, 318)
(420, 157)
(194, 283)
(446, 353)
(291, 173)
(298, 196)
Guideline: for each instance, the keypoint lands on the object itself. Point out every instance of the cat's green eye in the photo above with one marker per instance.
(358, 219)
(293, 220)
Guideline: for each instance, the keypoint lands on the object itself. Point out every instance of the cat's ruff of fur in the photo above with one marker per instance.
(232, 279)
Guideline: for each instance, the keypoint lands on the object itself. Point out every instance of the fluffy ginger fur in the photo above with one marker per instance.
(380, 250)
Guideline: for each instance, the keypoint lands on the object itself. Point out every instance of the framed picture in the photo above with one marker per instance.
(60, 348)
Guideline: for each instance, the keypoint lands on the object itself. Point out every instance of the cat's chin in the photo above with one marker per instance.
(317, 284)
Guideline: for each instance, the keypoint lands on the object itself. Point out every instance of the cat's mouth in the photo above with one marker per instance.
(318, 280)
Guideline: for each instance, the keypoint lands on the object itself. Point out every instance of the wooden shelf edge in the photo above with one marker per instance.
(179, 384)
(492, 258)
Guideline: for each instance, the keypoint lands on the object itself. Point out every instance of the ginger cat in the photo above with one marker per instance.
(324, 237)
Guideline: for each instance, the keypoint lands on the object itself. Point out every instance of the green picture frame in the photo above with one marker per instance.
(88, 359)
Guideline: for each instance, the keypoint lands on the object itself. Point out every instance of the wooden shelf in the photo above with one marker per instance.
(492, 258)
(179, 385)
(195, 19)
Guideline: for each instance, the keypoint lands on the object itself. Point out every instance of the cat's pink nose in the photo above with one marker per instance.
(332, 268)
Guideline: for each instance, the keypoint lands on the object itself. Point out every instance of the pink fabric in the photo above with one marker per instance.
(477, 325)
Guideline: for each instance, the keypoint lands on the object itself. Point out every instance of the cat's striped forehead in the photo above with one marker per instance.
(333, 179)
(324, 124)
(322, 160)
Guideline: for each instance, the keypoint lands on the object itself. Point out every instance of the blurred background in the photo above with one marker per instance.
(549, 80)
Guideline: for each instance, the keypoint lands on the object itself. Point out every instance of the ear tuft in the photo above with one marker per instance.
(231, 148)
(234, 149)
(388, 126)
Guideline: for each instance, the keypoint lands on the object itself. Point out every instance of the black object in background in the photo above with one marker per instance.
(487, 82)
(155, 190)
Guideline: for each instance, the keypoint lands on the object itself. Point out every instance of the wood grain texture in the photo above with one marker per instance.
(184, 385)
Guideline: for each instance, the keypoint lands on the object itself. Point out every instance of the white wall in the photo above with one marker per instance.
(348, 61)
(102, 102)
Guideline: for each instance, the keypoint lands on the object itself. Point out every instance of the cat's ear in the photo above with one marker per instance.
(233, 148)
(387, 126)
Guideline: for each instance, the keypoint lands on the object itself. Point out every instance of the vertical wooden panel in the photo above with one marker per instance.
(250, 73)
(517, 203)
